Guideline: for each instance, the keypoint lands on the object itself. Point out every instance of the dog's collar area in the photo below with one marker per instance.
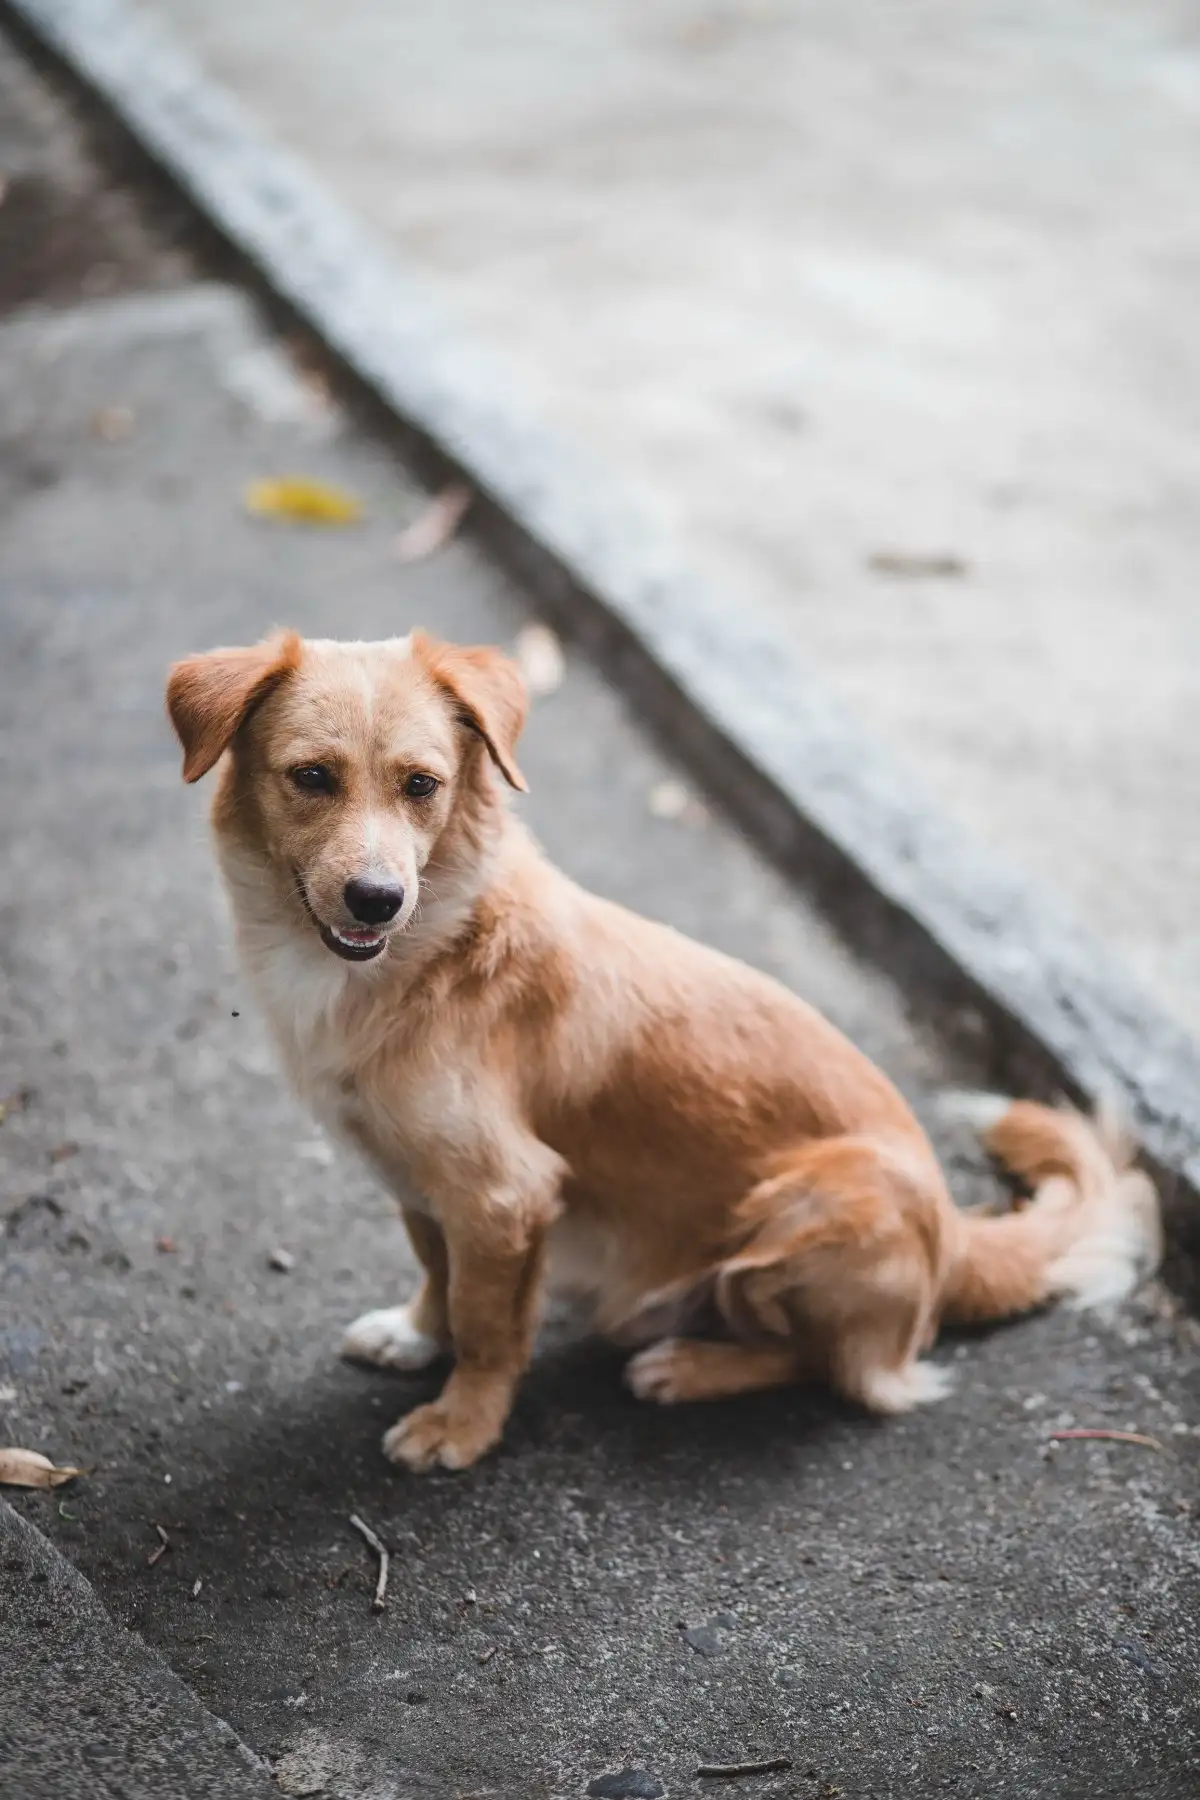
(355, 944)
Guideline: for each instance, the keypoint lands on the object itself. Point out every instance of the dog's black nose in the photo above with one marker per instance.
(373, 902)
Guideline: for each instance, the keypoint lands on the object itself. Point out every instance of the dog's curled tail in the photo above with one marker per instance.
(1090, 1232)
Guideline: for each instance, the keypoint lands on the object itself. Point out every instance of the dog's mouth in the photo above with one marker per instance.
(359, 944)
(353, 943)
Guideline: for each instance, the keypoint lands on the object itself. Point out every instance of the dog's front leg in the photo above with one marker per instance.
(495, 1247)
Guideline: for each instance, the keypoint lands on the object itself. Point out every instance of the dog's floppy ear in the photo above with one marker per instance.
(489, 692)
(208, 696)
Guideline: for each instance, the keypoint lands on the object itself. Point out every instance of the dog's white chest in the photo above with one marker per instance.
(400, 1103)
(302, 1001)
(335, 1070)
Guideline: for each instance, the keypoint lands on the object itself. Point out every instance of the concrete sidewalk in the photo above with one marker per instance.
(940, 1603)
(840, 284)
(85, 1708)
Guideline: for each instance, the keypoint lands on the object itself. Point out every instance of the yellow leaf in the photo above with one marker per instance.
(297, 497)
(30, 1469)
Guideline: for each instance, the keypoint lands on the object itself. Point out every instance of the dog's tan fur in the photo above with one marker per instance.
(554, 1085)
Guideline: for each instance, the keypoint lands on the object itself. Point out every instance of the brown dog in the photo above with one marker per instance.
(553, 1085)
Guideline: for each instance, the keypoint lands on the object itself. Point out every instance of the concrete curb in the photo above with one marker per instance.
(86, 1708)
(963, 932)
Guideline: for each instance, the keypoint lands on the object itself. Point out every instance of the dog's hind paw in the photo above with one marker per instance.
(678, 1369)
(388, 1339)
(659, 1372)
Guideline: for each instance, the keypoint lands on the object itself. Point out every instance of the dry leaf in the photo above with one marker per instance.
(668, 800)
(541, 658)
(112, 424)
(436, 525)
(30, 1469)
(296, 497)
(912, 565)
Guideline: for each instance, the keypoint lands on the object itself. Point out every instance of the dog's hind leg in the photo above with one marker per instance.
(692, 1369)
(841, 1265)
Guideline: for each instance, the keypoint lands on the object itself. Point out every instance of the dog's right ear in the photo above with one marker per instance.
(209, 696)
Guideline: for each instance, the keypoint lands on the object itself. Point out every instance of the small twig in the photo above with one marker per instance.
(161, 1550)
(376, 1544)
(731, 1771)
(1115, 1437)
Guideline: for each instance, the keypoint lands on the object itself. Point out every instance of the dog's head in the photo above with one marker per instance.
(350, 763)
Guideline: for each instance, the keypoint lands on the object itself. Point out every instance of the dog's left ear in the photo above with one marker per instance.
(489, 691)
(208, 696)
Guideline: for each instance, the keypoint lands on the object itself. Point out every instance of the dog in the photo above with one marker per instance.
(557, 1090)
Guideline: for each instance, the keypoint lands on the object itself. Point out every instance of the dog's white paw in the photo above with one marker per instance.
(389, 1339)
(899, 1390)
(660, 1372)
(973, 1107)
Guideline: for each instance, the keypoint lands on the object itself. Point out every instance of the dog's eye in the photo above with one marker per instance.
(419, 787)
(314, 778)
